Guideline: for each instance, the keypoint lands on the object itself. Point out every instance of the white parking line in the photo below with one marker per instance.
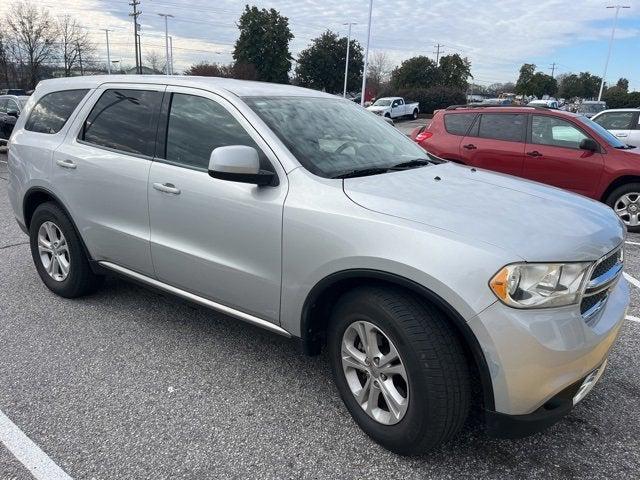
(632, 243)
(632, 318)
(633, 281)
(28, 453)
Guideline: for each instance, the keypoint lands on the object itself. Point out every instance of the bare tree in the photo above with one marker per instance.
(32, 40)
(155, 61)
(76, 50)
(379, 69)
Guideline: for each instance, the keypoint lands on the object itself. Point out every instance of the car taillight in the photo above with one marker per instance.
(422, 136)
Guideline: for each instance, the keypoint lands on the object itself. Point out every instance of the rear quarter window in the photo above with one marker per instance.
(53, 110)
(458, 123)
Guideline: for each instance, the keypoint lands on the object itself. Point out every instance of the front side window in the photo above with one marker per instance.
(3, 105)
(503, 126)
(53, 110)
(548, 130)
(332, 137)
(124, 120)
(616, 120)
(458, 123)
(197, 126)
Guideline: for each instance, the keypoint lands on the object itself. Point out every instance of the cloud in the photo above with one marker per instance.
(497, 35)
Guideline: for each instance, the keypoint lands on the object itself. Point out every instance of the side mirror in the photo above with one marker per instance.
(13, 113)
(589, 144)
(239, 163)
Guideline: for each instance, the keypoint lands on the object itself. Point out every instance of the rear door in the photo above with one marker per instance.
(102, 169)
(496, 142)
(553, 155)
(618, 123)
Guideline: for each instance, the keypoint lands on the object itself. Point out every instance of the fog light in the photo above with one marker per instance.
(589, 383)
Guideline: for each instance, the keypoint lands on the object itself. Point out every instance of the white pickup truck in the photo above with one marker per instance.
(395, 107)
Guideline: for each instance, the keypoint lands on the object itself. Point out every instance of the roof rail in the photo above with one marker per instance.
(455, 107)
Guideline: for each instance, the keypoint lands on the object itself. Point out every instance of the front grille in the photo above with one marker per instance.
(602, 279)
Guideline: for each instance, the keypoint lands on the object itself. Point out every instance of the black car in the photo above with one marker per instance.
(10, 108)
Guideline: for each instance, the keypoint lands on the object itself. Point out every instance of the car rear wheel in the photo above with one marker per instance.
(58, 254)
(415, 114)
(400, 369)
(625, 201)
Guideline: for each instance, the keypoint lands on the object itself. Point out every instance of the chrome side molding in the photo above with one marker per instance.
(197, 299)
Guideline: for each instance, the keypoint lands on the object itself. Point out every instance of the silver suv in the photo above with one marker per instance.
(433, 286)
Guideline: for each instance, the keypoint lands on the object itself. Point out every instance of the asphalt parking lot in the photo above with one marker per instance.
(128, 383)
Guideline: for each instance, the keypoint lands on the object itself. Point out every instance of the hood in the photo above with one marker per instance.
(534, 221)
(377, 108)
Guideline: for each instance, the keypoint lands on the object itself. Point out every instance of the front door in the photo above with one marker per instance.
(217, 239)
(553, 156)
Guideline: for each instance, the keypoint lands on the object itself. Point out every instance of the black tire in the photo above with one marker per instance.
(415, 114)
(436, 365)
(80, 280)
(619, 192)
(388, 115)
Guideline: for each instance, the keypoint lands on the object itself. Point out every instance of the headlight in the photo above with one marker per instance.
(538, 285)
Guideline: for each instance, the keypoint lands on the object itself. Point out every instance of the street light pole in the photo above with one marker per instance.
(171, 54)
(613, 33)
(366, 56)
(166, 40)
(346, 65)
(106, 31)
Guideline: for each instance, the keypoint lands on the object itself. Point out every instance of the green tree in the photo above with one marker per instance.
(264, 43)
(416, 72)
(523, 84)
(623, 83)
(321, 65)
(570, 86)
(455, 71)
(590, 85)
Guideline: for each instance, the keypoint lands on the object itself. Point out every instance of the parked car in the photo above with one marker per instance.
(550, 146)
(10, 108)
(301, 213)
(13, 91)
(624, 123)
(544, 103)
(395, 107)
(589, 108)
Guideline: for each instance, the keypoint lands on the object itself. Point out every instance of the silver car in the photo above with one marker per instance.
(432, 286)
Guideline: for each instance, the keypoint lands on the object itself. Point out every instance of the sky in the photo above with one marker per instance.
(498, 36)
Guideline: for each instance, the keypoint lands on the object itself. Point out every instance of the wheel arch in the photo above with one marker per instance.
(320, 300)
(617, 183)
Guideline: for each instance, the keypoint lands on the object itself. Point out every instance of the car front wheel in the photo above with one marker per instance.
(400, 369)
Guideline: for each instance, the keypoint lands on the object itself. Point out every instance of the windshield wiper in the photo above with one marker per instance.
(417, 162)
(363, 172)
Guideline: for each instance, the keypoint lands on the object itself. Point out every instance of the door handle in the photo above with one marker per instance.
(470, 146)
(167, 188)
(66, 164)
(535, 153)
(621, 135)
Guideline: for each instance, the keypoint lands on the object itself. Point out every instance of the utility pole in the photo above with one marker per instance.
(437, 52)
(135, 14)
(167, 64)
(80, 58)
(171, 54)
(553, 69)
(346, 65)
(106, 31)
(366, 56)
(613, 33)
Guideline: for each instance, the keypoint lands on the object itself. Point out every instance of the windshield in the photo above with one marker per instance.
(383, 102)
(591, 108)
(330, 137)
(605, 134)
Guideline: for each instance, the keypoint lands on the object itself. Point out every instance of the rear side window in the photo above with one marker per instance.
(124, 120)
(3, 105)
(504, 126)
(53, 110)
(458, 123)
(197, 126)
(616, 120)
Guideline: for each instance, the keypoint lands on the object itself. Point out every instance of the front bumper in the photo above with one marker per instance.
(537, 356)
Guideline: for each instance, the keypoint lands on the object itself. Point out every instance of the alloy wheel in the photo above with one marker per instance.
(375, 372)
(54, 251)
(628, 208)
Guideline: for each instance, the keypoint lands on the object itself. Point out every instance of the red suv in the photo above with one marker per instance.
(550, 146)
